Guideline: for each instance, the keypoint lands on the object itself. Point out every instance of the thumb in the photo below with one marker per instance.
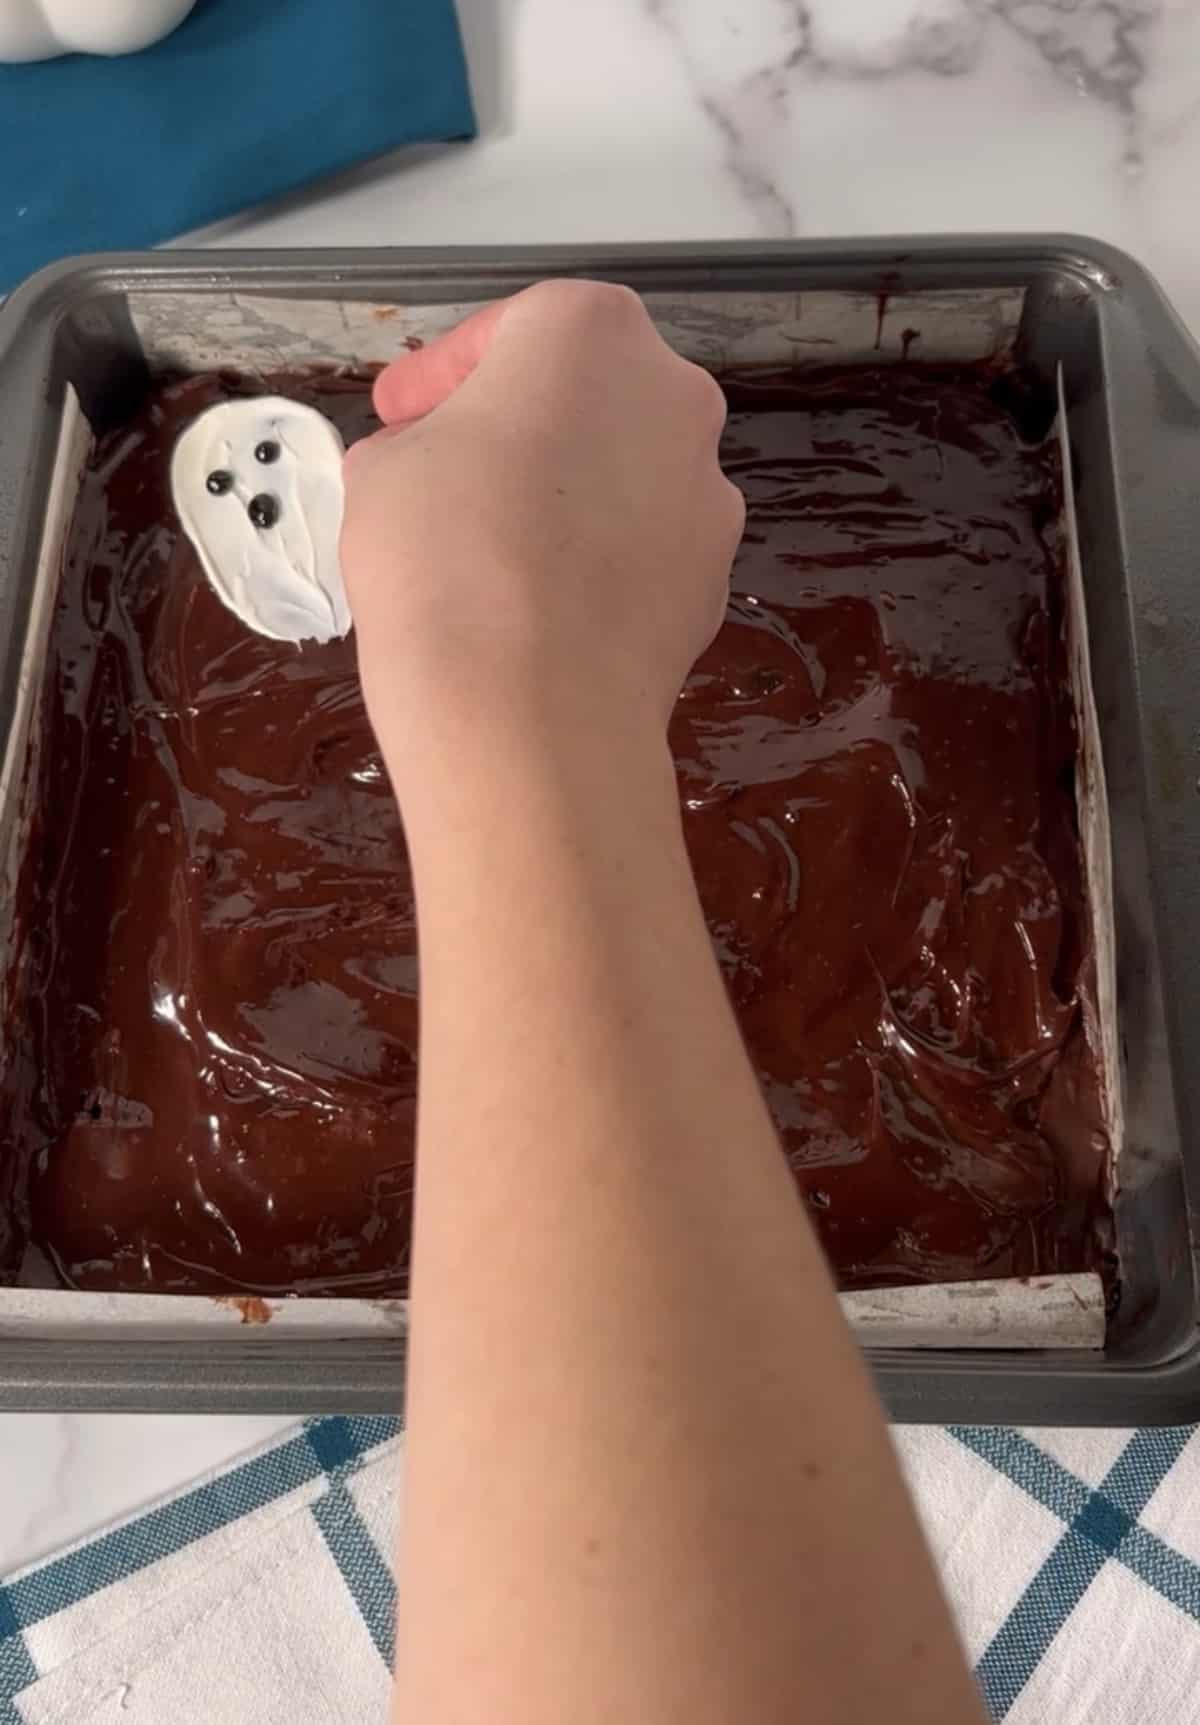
(415, 383)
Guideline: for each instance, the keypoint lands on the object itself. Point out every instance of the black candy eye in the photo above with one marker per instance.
(219, 482)
(266, 452)
(263, 510)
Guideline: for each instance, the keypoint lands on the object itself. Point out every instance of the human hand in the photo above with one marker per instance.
(542, 521)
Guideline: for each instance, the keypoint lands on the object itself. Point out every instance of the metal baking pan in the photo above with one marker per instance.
(98, 329)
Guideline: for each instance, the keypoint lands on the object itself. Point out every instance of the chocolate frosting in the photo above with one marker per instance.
(215, 1067)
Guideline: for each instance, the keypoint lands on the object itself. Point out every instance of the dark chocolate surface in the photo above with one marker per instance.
(213, 1079)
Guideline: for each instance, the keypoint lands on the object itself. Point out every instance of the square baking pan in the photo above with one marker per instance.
(79, 346)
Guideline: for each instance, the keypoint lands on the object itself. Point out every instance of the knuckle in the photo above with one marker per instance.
(588, 301)
(609, 305)
(715, 398)
(729, 514)
(709, 397)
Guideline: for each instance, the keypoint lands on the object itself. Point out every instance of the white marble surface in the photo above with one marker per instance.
(673, 119)
(685, 119)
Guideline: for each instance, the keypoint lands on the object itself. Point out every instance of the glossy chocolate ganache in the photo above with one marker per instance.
(212, 1069)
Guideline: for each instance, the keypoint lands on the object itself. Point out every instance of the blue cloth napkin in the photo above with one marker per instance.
(248, 99)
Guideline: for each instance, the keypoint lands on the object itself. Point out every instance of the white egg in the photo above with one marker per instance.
(257, 485)
(42, 29)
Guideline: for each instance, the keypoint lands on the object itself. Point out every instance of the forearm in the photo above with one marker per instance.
(676, 1500)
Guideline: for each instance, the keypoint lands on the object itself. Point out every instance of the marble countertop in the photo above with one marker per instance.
(691, 119)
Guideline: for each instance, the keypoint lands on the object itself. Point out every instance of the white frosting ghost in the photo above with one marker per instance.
(42, 29)
(257, 485)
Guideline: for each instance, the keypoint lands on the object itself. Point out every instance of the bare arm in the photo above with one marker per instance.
(647, 1477)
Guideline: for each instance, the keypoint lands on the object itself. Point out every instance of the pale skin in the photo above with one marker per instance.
(647, 1478)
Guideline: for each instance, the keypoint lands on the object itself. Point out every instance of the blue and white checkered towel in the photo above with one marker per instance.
(264, 1593)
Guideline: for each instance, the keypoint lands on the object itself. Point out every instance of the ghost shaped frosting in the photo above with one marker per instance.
(257, 486)
(42, 29)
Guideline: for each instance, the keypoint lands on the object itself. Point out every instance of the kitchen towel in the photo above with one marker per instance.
(247, 100)
(264, 1593)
